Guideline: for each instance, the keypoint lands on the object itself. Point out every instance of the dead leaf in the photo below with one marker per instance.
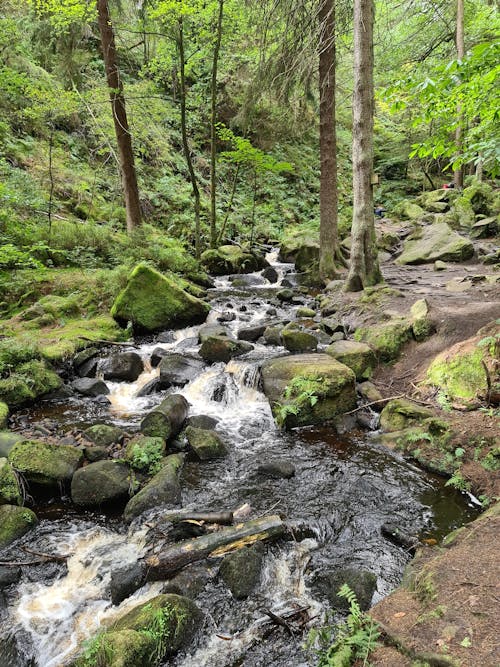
(399, 614)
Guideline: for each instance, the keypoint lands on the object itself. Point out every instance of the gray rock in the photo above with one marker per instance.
(285, 295)
(151, 387)
(90, 387)
(209, 330)
(362, 582)
(298, 341)
(205, 444)
(9, 575)
(101, 483)
(203, 421)
(126, 580)
(94, 454)
(241, 570)
(270, 274)
(219, 348)
(166, 337)
(251, 334)
(123, 367)
(177, 370)
(157, 355)
(277, 469)
(103, 435)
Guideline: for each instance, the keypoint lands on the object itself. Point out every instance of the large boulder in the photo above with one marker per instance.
(357, 356)
(14, 523)
(177, 370)
(386, 339)
(408, 210)
(44, 463)
(401, 413)
(362, 582)
(10, 489)
(437, 241)
(220, 348)
(230, 259)
(123, 367)
(90, 387)
(4, 414)
(153, 302)
(298, 341)
(163, 489)
(206, 444)
(308, 389)
(100, 483)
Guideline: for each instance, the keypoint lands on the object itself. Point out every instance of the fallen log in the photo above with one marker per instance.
(166, 420)
(222, 518)
(174, 558)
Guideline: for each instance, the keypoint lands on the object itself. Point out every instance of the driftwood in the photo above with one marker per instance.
(222, 518)
(175, 557)
(367, 405)
(42, 558)
(108, 342)
(166, 420)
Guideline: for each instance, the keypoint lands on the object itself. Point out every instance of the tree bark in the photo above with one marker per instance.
(364, 269)
(458, 175)
(328, 196)
(117, 99)
(185, 143)
(213, 133)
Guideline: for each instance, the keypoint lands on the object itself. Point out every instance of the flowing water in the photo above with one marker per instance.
(345, 488)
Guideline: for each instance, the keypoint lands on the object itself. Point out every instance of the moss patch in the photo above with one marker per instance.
(145, 453)
(14, 523)
(386, 339)
(10, 491)
(4, 414)
(401, 413)
(45, 463)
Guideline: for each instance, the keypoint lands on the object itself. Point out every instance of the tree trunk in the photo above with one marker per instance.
(213, 133)
(185, 143)
(363, 269)
(458, 176)
(117, 98)
(329, 247)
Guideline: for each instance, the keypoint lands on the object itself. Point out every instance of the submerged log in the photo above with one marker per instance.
(175, 557)
(166, 420)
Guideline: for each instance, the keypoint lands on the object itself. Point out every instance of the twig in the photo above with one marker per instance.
(48, 557)
(278, 620)
(108, 342)
(380, 400)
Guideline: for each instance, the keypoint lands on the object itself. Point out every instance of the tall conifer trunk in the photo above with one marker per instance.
(363, 269)
(117, 98)
(458, 176)
(213, 129)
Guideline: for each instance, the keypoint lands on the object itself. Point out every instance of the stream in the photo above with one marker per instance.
(344, 489)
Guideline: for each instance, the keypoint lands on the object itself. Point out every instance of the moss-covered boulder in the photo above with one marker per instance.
(437, 241)
(119, 648)
(362, 582)
(29, 381)
(408, 210)
(163, 489)
(428, 199)
(44, 463)
(401, 413)
(7, 441)
(476, 199)
(14, 523)
(241, 570)
(206, 444)
(10, 490)
(221, 348)
(103, 435)
(304, 312)
(153, 302)
(308, 388)
(422, 324)
(4, 414)
(230, 259)
(357, 356)
(386, 339)
(298, 341)
(145, 453)
(101, 483)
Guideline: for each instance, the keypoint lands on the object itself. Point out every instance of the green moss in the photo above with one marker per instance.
(15, 391)
(14, 352)
(10, 491)
(386, 339)
(63, 342)
(4, 414)
(15, 522)
(45, 463)
(206, 444)
(124, 648)
(461, 376)
(145, 453)
(401, 413)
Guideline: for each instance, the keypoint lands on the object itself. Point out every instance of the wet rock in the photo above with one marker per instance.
(14, 523)
(101, 483)
(362, 582)
(126, 580)
(226, 317)
(190, 582)
(401, 413)
(386, 339)
(166, 337)
(357, 356)
(10, 490)
(438, 241)
(209, 330)
(230, 259)
(94, 454)
(400, 537)
(331, 325)
(7, 441)
(485, 228)
(145, 453)
(270, 274)
(85, 362)
(246, 281)
(157, 355)
(241, 570)
(271, 312)
(44, 463)
(339, 335)
(277, 469)
(32, 380)
(153, 302)
(251, 334)
(272, 335)
(219, 348)
(123, 367)
(163, 489)
(9, 575)
(166, 420)
(177, 370)
(331, 383)
(298, 341)
(203, 421)
(90, 387)
(370, 392)
(205, 444)
(285, 295)
(304, 312)
(103, 435)
(151, 387)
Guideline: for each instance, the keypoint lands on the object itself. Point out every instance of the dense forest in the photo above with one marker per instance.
(249, 332)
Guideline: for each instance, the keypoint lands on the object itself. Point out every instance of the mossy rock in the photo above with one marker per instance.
(386, 339)
(408, 210)
(62, 342)
(10, 490)
(241, 570)
(119, 648)
(304, 312)
(7, 441)
(14, 523)
(221, 348)
(29, 381)
(437, 241)
(298, 341)
(13, 353)
(15, 391)
(153, 302)
(307, 389)
(401, 413)
(206, 444)
(231, 259)
(357, 356)
(4, 414)
(44, 463)
(145, 453)
(101, 483)
(422, 324)
(103, 435)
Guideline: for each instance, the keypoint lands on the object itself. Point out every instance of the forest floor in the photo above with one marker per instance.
(446, 611)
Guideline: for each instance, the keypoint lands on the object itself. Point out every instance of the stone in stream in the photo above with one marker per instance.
(14, 523)
(157, 355)
(331, 325)
(230, 259)
(357, 356)
(251, 334)
(103, 435)
(7, 441)
(10, 490)
(94, 454)
(9, 575)
(162, 490)
(277, 469)
(401, 413)
(123, 367)
(178, 370)
(270, 274)
(298, 341)
(370, 392)
(226, 317)
(208, 330)
(241, 570)
(90, 387)
(203, 421)
(290, 382)
(153, 302)
(126, 580)
(305, 312)
(219, 348)
(166, 420)
(145, 453)
(190, 581)
(362, 582)
(285, 295)
(205, 444)
(45, 463)
(151, 387)
(101, 483)
(166, 337)
(85, 362)
(272, 335)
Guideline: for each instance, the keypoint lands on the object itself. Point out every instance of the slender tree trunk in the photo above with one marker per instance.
(458, 176)
(185, 143)
(328, 196)
(363, 269)
(213, 133)
(117, 98)
(230, 203)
